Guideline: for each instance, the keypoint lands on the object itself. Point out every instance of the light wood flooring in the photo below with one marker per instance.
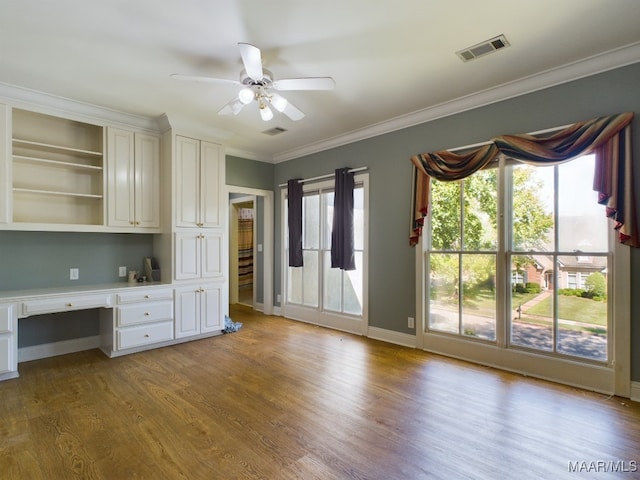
(285, 400)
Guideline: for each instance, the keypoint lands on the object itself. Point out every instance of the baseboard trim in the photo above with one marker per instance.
(36, 352)
(635, 391)
(390, 336)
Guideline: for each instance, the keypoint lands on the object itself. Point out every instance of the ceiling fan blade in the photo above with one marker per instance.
(252, 60)
(196, 78)
(292, 112)
(231, 108)
(282, 105)
(309, 83)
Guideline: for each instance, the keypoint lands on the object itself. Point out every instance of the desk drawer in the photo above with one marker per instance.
(141, 295)
(144, 313)
(66, 304)
(144, 335)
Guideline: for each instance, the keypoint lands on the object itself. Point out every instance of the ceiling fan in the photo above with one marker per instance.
(258, 84)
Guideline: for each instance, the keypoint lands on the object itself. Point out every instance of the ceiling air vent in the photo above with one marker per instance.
(484, 48)
(274, 131)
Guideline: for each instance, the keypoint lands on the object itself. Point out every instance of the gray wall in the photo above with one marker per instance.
(249, 173)
(391, 260)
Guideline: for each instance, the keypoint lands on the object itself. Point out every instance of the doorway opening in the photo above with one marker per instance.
(242, 250)
(250, 217)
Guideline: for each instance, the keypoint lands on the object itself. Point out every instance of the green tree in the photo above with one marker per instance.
(531, 224)
(464, 216)
(596, 285)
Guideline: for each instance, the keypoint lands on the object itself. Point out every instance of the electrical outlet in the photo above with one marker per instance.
(74, 273)
(122, 271)
(411, 322)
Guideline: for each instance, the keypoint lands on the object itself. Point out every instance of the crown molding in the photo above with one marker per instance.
(573, 71)
(46, 103)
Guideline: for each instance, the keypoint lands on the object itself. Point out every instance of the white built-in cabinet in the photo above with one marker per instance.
(133, 179)
(199, 170)
(199, 309)
(199, 245)
(58, 173)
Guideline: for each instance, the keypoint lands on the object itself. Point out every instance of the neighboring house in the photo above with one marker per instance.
(573, 270)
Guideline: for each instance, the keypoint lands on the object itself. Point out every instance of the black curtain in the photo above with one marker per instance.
(294, 203)
(342, 255)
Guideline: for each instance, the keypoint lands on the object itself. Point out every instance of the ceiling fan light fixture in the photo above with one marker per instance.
(278, 102)
(246, 95)
(265, 112)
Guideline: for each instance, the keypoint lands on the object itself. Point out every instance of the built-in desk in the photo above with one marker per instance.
(133, 317)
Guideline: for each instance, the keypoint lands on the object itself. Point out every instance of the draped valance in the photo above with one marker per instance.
(609, 138)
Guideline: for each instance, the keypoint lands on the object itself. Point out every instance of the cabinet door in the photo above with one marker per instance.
(8, 341)
(187, 256)
(211, 255)
(187, 314)
(120, 178)
(6, 354)
(147, 181)
(211, 181)
(187, 182)
(211, 308)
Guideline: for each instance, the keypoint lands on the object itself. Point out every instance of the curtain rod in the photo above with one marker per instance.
(482, 144)
(329, 175)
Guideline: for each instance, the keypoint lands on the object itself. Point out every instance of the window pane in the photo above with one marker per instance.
(358, 218)
(353, 288)
(310, 278)
(332, 285)
(532, 207)
(479, 296)
(582, 222)
(443, 292)
(445, 215)
(582, 310)
(294, 285)
(481, 211)
(531, 305)
(327, 226)
(311, 221)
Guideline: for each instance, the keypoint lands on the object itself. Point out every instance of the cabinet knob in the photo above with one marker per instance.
(147, 296)
(69, 304)
(146, 335)
(131, 222)
(146, 314)
(137, 223)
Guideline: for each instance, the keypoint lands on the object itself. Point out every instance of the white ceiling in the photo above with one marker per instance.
(393, 61)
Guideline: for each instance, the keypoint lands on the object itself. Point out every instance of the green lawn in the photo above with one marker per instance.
(574, 308)
(569, 308)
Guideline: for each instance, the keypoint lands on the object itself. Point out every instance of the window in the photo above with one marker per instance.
(519, 259)
(316, 292)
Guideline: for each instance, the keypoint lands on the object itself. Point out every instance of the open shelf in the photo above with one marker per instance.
(54, 163)
(58, 170)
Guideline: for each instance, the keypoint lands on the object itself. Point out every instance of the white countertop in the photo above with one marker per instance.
(18, 295)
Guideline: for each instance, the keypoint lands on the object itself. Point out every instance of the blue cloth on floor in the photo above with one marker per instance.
(230, 326)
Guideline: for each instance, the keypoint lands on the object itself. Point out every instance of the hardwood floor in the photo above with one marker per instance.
(284, 400)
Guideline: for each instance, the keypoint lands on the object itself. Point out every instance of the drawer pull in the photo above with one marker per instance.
(147, 296)
(146, 335)
(146, 314)
(69, 304)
